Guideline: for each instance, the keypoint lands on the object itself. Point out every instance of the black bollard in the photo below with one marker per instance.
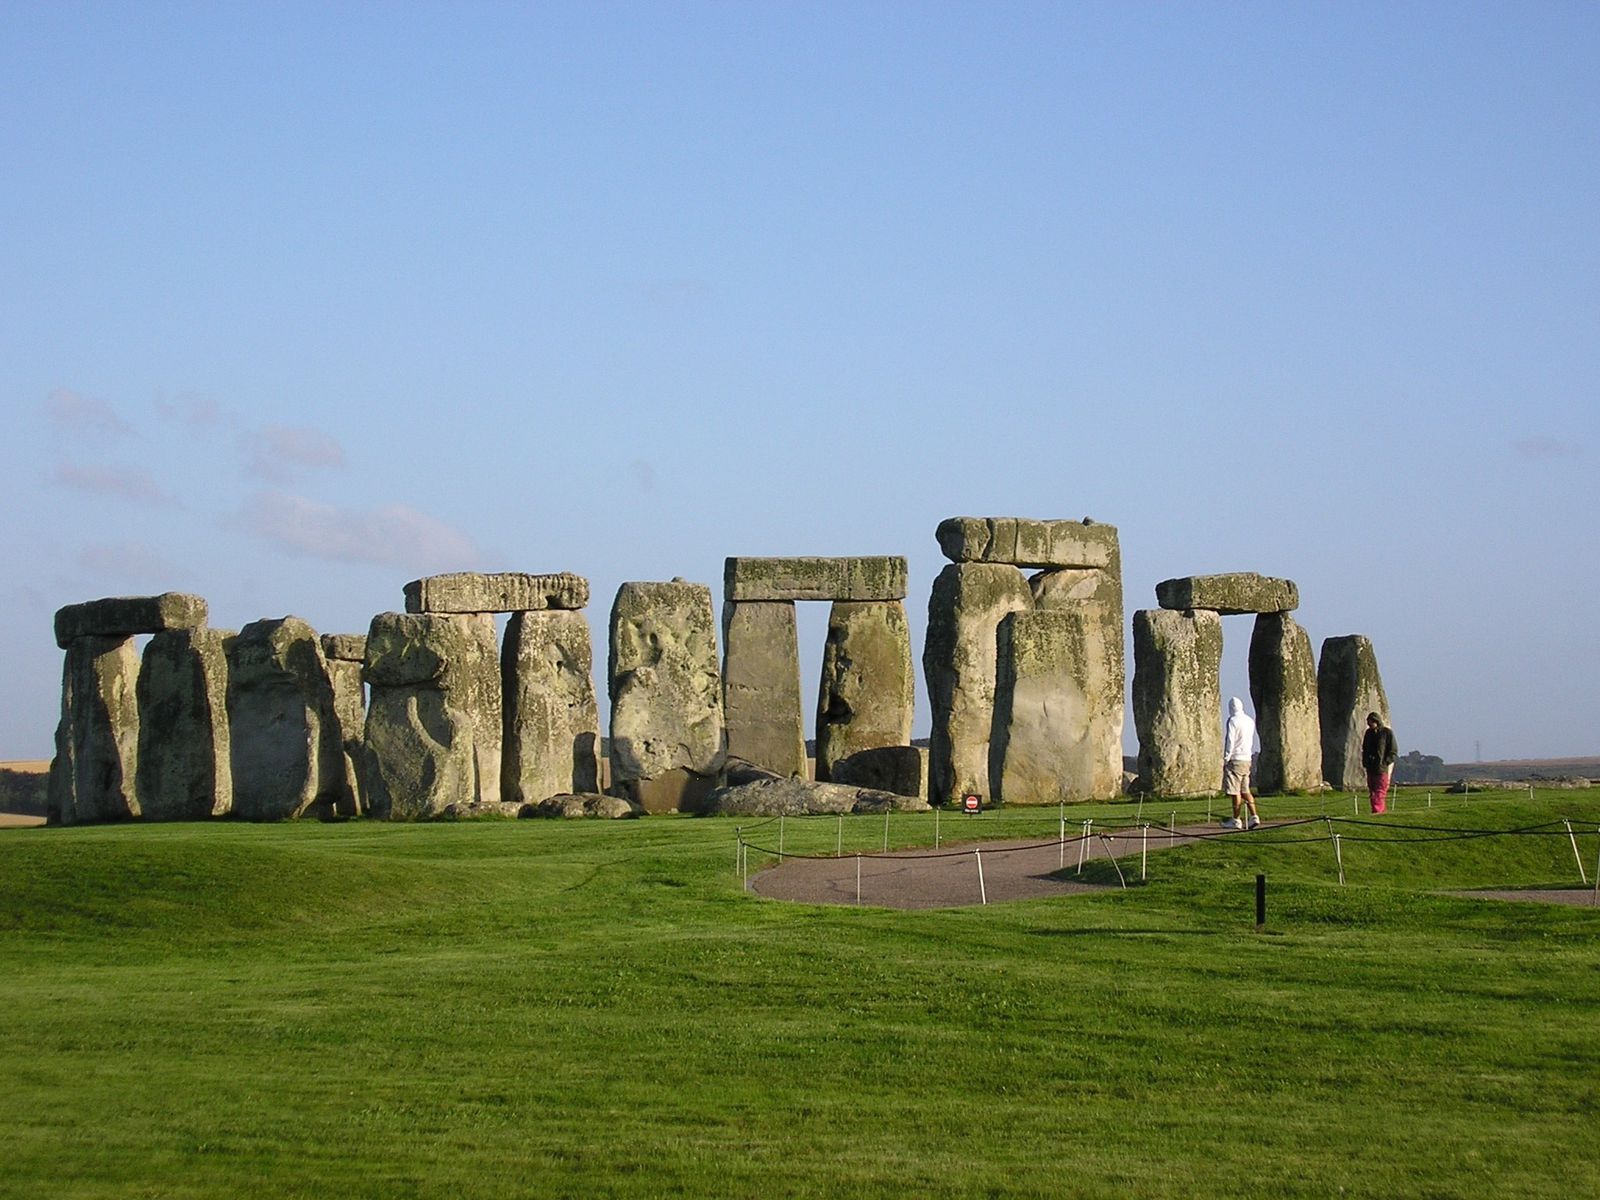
(1261, 903)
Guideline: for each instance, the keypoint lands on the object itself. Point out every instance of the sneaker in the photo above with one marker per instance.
(1231, 823)
(1255, 823)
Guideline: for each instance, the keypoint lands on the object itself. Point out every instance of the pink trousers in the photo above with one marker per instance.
(1378, 790)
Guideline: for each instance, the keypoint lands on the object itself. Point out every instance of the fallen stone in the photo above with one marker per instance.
(1177, 702)
(577, 806)
(1232, 594)
(127, 616)
(902, 770)
(666, 694)
(761, 685)
(552, 720)
(185, 768)
(1283, 689)
(880, 577)
(1348, 688)
(868, 690)
(801, 797)
(344, 647)
(284, 741)
(965, 608)
(94, 772)
(1025, 542)
(508, 591)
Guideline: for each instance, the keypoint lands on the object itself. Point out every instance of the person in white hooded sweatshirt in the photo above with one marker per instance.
(1238, 745)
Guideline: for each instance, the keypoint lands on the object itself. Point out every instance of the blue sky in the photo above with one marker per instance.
(304, 301)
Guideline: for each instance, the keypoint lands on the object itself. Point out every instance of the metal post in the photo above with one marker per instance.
(1083, 843)
(1339, 855)
(886, 831)
(1061, 842)
(1573, 838)
(983, 892)
(838, 841)
(1172, 829)
(936, 827)
(1144, 850)
(744, 858)
(738, 848)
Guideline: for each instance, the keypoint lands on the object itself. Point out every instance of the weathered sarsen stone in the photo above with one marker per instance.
(1348, 688)
(880, 577)
(345, 652)
(1177, 702)
(1025, 542)
(126, 616)
(286, 756)
(185, 760)
(868, 691)
(552, 744)
(92, 777)
(666, 694)
(507, 591)
(419, 756)
(1283, 688)
(761, 685)
(965, 608)
(1230, 594)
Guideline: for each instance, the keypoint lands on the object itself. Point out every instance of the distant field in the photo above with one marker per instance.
(1526, 768)
(596, 1009)
(22, 786)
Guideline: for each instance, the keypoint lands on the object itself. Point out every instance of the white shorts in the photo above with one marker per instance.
(1236, 776)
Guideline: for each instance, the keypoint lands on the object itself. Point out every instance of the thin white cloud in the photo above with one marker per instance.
(77, 413)
(1547, 447)
(192, 410)
(124, 567)
(396, 535)
(282, 452)
(127, 483)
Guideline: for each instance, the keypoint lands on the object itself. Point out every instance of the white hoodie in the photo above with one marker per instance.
(1238, 741)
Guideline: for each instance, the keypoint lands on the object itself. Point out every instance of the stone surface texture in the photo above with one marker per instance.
(880, 577)
(344, 647)
(286, 756)
(185, 769)
(1283, 690)
(93, 776)
(902, 770)
(1233, 594)
(423, 674)
(1177, 705)
(666, 694)
(1026, 542)
(127, 616)
(577, 806)
(552, 721)
(801, 797)
(965, 608)
(1058, 709)
(761, 685)
(1348, 688)
(350, 715)
(867, 695)
(505, 592)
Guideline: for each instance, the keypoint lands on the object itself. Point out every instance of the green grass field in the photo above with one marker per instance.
(595, 1009)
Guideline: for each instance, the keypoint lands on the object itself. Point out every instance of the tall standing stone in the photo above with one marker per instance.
(868, 692)
(965, 608)
(185, 764)
(419, 756)
(286, 755)
(1177, 700)
(1348, 688)
(552, 739)
(1283, 688)
(761, 685)
(93, 776)
(666, 695)
(345, 652)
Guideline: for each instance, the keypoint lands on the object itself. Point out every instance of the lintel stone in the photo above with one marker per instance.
(126, 616)
(1026, 542)
(344, 647)
(877, 577)
(507, 591)
(1231, 594)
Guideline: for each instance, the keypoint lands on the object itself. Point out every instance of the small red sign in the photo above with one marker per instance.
(972, 802)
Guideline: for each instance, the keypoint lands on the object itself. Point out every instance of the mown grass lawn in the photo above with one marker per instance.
(587, 1009)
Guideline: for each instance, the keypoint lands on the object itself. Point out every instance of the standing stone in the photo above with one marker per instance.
(965, 608)
(345, 652)
(666, 695)
(1177, 700)
(92, 777)
(185, 763)
(868, 693)
(1283, 688)
(286, 755)
(1348, 688)
(419, 756)
(552, 738)
(761, 685)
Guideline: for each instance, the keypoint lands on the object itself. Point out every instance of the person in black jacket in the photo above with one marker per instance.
(1377, 757)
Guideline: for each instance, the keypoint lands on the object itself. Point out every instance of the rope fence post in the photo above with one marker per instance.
(1574, 840)
(838, 840)
(1597, 869)
(1172, 829)
(780, 837)
(983, 892)
(1144, 851)
(738, 849)
(1061, 842)
(1338, 854)
(886, 831)
(1083, 844)
(936, 826)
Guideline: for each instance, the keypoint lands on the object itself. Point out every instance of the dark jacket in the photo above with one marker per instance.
(1377, 748)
